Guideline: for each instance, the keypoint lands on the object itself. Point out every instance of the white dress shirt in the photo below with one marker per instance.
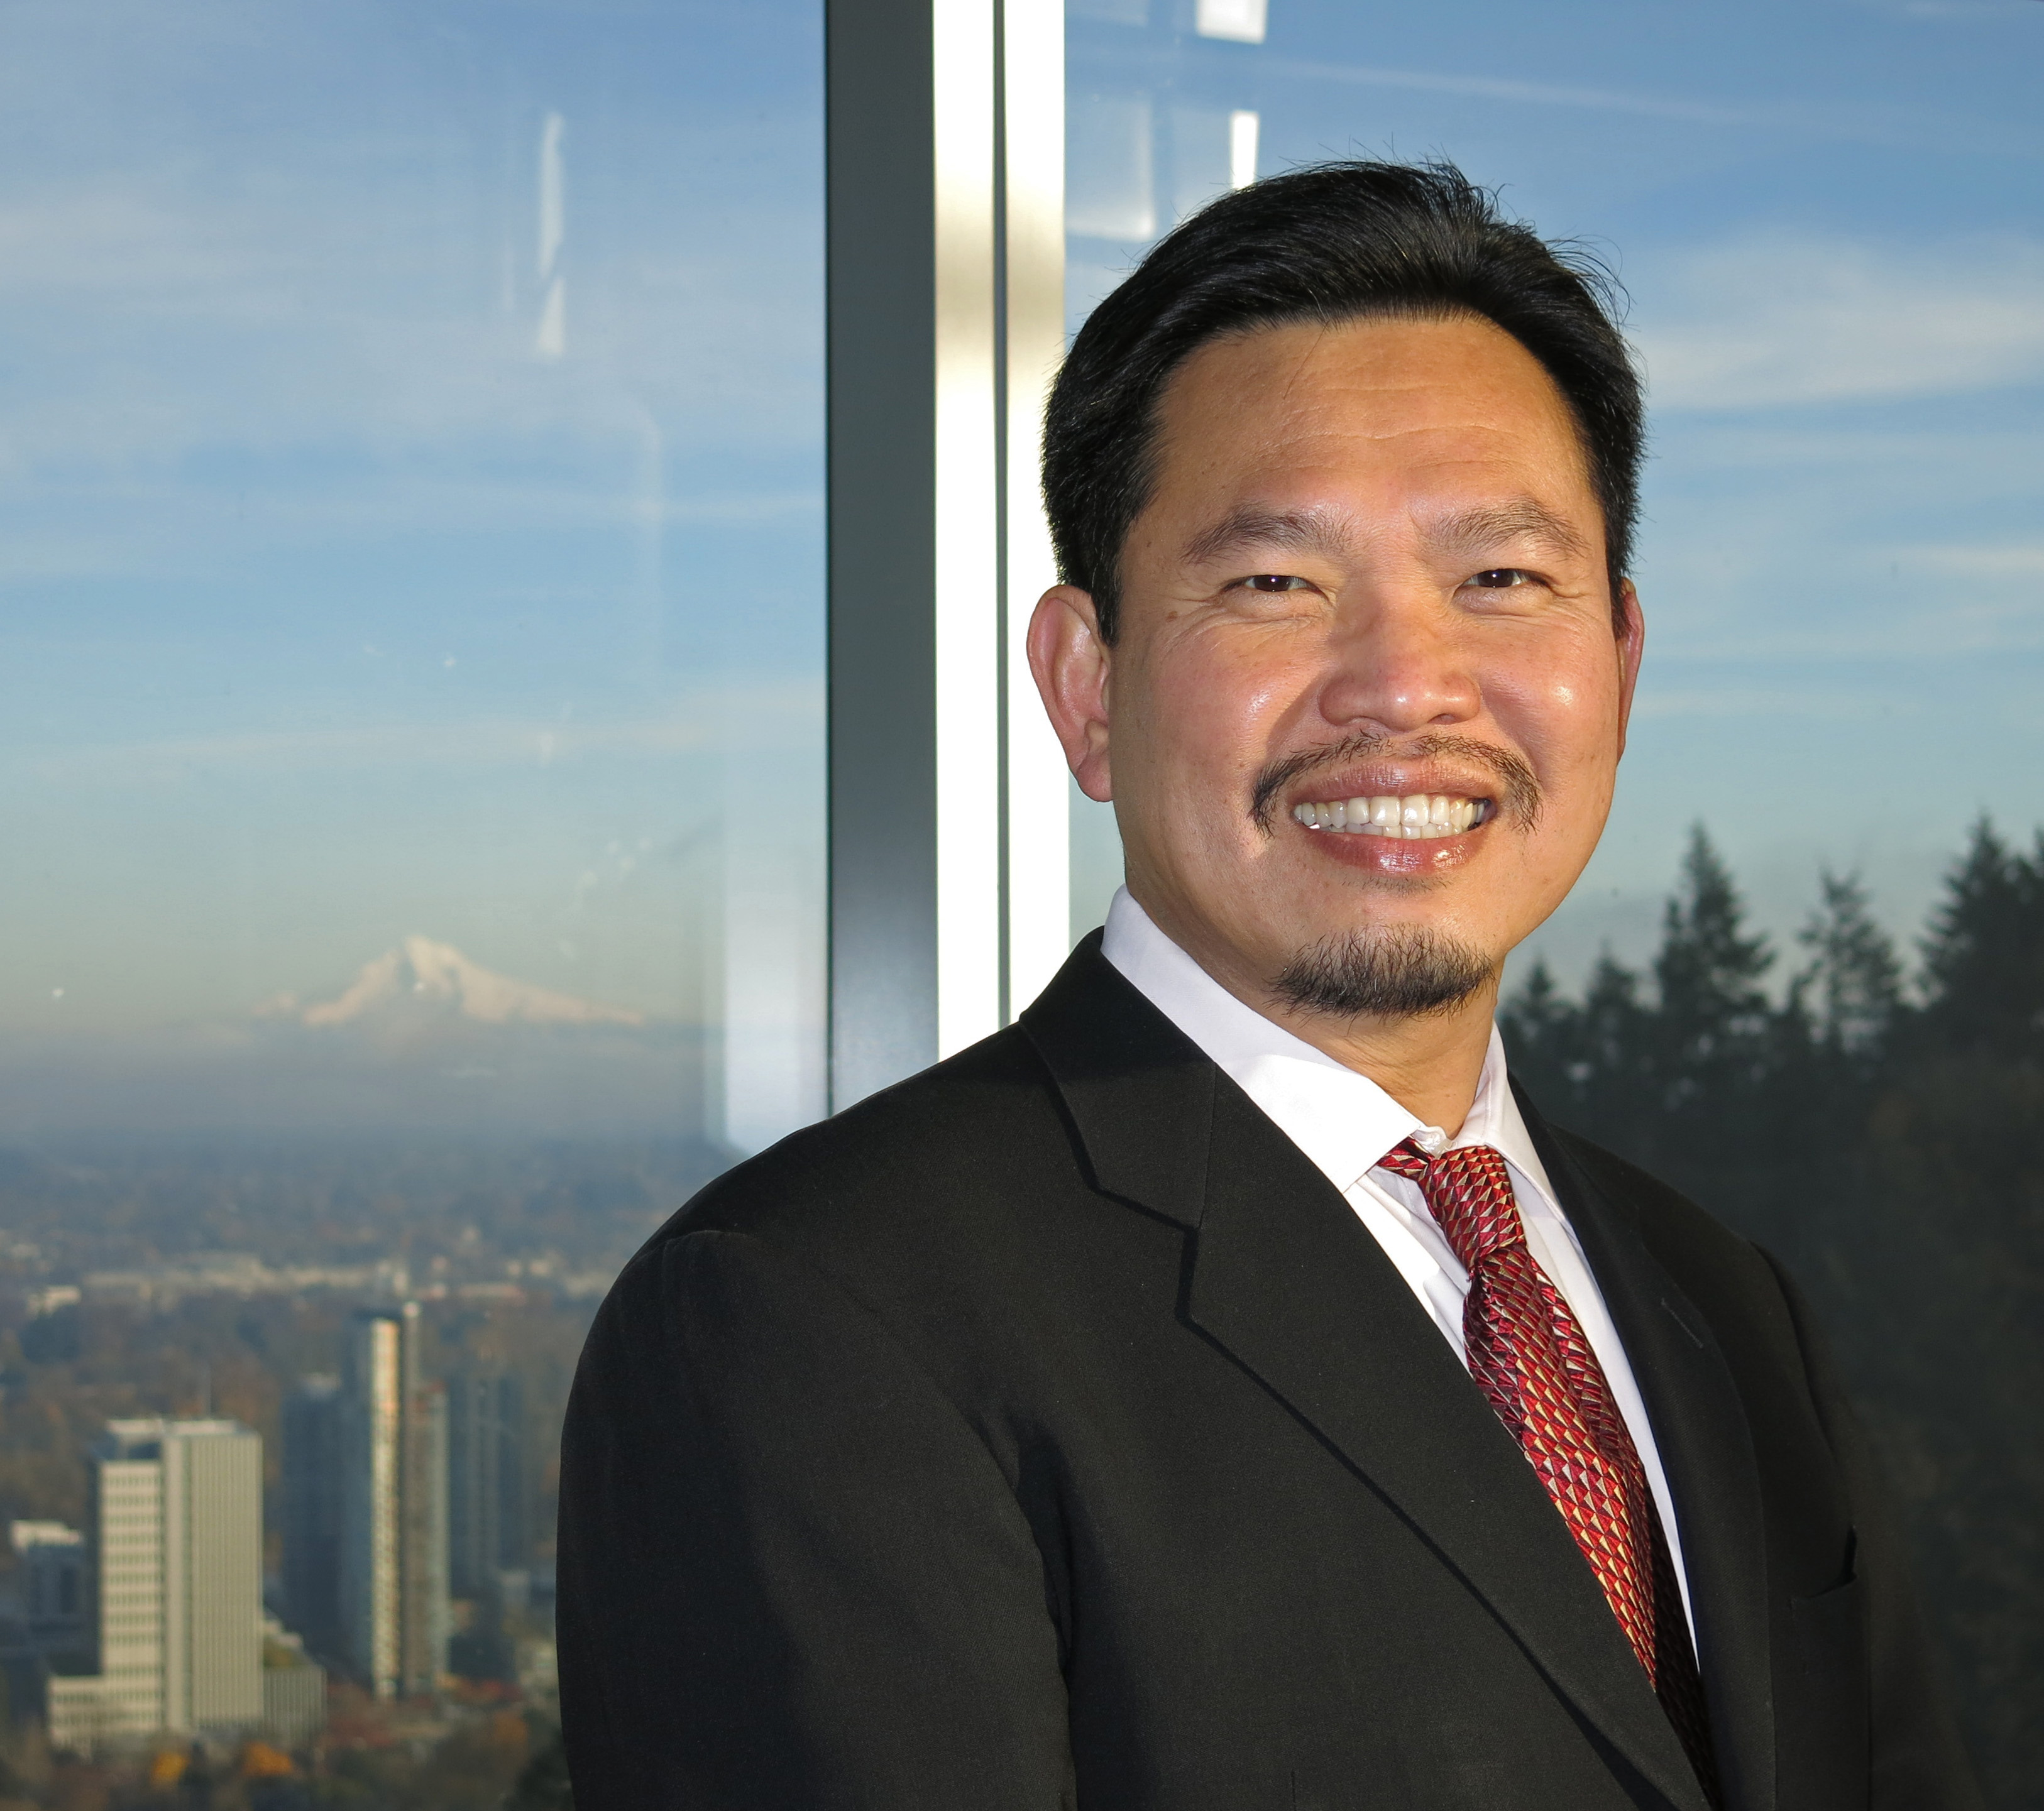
(1346, 1125)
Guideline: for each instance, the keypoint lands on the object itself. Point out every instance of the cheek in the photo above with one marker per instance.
(1563, 712)
(1210, 708)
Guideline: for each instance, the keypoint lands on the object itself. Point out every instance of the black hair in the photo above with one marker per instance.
(1329, 243)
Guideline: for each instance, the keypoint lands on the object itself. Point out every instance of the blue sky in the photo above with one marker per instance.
(335, 606)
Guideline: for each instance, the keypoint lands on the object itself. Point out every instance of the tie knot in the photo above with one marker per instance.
(1468, 1190)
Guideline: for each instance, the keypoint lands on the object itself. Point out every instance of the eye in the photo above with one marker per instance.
(1268, 582)
(1501, 578)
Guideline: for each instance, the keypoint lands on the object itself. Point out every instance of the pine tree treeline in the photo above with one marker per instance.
(1886, 1141)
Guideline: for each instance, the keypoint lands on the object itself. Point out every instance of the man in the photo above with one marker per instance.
(1220, 1391)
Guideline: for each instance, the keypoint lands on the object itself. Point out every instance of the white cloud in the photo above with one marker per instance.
(52, 531)
(741, 717)
(242, 233)
(1508, 89)
(1779, 319)
(1965, 9)
(1801, 704)
(1798, 116)
(167, 316)
(2019, 562)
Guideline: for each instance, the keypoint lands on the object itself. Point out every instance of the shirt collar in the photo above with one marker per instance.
(1342, 1121)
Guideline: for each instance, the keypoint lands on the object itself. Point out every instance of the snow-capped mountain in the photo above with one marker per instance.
(422, 978)
(423, 1042)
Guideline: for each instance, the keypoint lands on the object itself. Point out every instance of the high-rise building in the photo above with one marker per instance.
(177, 1540)
(394, 1504)
(54, 1566)
(312, 1494)
(489, 1529)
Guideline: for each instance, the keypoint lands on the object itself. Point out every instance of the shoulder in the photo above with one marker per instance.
(962, 1124)
(954, 1161)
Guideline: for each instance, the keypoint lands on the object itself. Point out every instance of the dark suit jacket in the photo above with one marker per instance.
(1046, 1432)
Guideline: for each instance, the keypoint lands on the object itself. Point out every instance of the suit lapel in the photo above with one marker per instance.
(1706, 1448)
(1139, 1092)
(1288, 1282)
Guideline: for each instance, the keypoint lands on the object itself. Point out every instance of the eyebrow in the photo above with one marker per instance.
(1318, 530)
(1522, 518)
(1332, 533)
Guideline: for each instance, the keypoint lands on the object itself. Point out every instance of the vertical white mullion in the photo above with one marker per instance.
(967, 602)
(1039, 902)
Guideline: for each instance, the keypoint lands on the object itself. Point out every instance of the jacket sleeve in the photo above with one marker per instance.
(1916, 1762)
(791, 1575)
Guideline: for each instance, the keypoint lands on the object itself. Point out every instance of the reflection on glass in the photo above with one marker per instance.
(1242, 20)
(411, 712)
(411, 532)
(1826, 232)
(1825, 223)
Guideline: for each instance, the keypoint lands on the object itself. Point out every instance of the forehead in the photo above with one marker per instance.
(1377, 413)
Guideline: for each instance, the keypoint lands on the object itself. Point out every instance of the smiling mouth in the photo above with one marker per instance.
(1417, 816)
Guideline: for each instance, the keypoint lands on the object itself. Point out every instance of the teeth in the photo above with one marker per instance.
(1421, 814)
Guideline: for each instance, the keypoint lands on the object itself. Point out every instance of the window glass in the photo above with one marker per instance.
(411, 545)
(411, 695)
(411, 557)
(1824, 216)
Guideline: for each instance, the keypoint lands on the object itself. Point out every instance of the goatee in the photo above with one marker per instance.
(1402, 972)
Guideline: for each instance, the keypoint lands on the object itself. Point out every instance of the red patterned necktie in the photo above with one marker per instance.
(1529, 1356)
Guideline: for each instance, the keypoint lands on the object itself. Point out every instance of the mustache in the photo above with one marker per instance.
(1517, 790)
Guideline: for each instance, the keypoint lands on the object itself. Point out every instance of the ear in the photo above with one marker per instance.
(1631, 647)
(1070, 664)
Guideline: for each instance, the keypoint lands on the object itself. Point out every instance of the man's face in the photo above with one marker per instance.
(1369, 585)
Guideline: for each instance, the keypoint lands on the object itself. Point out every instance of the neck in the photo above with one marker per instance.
(1429, 1064)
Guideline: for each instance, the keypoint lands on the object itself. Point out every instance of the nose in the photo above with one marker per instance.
(1395, 667)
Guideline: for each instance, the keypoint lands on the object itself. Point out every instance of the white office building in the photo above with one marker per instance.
(178, 1551)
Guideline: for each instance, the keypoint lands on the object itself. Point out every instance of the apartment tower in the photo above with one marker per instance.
(394, 1505)
(312, 1493)
(488, 1498)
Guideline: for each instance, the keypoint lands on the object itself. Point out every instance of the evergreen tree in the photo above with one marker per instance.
(1582, 1062)
(1984, 959)
(1837, 1031)
(1615, 1025)
(1956, 1166)
(1892, 1157)
(1539, 1025)
(1852, 985)
(1712, 1023)
(1543, 1031)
